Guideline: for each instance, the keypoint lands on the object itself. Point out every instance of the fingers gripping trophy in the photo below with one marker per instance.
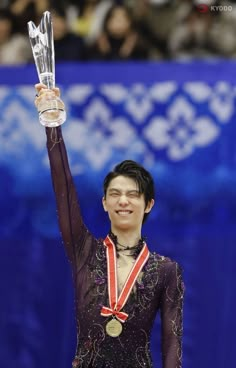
(51, 109)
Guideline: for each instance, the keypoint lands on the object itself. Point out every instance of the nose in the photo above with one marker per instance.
(123, 200)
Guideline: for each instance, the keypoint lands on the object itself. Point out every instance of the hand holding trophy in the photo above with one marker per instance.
(51, 110)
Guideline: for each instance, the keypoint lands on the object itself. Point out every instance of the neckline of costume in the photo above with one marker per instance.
(134, 251)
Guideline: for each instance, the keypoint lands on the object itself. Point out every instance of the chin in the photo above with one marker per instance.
(124, 226)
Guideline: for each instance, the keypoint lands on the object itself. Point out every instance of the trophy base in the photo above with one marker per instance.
(52, 113)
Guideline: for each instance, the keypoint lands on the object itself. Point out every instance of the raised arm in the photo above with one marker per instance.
(172, 316)
(68, 211)
(73, 231)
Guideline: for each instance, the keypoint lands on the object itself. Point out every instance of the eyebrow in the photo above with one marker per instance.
(119, 191)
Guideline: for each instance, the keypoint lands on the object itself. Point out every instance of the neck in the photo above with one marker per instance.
(127, 238)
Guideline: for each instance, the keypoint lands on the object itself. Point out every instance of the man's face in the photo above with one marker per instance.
(125, 205)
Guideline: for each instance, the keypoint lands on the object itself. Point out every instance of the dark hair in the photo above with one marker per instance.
(111, 11)
(58, 11)
(135, 171)
(6, 14)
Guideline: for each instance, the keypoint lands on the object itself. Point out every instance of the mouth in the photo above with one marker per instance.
(124, 212)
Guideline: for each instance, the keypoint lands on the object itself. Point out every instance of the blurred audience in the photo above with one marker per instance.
(155, 19)
(68, 46)
(123, 29)
(14, 47)
(202, 35)
(26, 10)
(119, 39)
(89, 22)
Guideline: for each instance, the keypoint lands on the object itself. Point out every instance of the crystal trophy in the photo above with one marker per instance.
(51, 110)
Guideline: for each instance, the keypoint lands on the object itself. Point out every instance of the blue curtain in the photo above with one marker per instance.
(177, 120)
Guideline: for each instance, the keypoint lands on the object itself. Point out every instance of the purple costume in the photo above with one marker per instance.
(158, 289)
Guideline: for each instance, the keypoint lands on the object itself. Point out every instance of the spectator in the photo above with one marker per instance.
(26, 10)
(91, 17)
(155, 19)
(14, 47)
(202, 35)
(119, 40)
(68, 46)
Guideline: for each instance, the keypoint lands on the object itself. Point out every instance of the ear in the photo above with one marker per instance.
(104, 204)
(149, 206)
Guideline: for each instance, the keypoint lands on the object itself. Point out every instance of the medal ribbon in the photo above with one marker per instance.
(116, 304)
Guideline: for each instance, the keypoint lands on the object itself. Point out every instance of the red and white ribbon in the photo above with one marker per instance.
(116, 304)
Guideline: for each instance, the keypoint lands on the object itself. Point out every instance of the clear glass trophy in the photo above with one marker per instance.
(51, 111)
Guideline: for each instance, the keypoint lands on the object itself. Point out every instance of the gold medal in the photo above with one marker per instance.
(114, 328)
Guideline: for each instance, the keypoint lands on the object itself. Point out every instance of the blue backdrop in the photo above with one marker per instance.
(177, 120)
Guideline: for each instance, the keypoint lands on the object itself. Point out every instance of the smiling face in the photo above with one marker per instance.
(125, 205)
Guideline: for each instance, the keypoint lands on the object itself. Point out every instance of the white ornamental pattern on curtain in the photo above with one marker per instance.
(113, 122)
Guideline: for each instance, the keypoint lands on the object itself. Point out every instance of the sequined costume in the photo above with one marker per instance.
(159, 287)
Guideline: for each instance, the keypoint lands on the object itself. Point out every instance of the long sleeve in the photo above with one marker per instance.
(76, 238)
(172, 316)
